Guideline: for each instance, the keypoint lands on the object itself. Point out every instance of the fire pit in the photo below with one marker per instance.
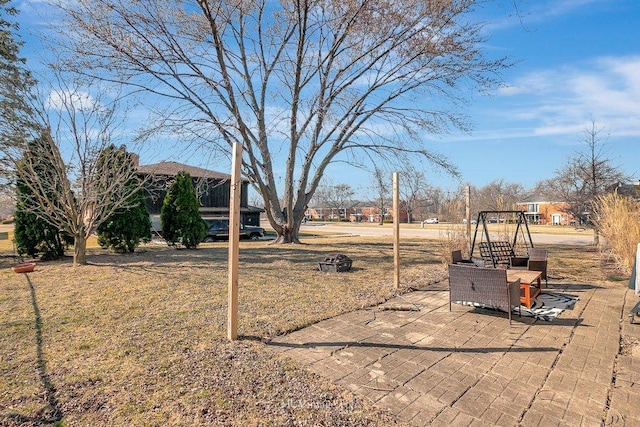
(335, 263)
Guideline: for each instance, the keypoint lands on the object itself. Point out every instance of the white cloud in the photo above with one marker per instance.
(561, 100)
(531, 83)
(554, 8)
(529, 14)
(62, 100)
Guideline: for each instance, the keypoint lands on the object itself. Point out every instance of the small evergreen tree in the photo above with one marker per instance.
(180, 217)
(125, 228)
(33, 235)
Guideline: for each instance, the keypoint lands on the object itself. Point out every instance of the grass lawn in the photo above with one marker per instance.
(140, 339)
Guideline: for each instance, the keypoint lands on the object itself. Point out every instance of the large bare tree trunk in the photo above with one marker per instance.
(288, 232)
(80, 250)
(288, 235)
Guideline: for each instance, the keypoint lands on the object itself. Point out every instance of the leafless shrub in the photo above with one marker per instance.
(453, 239)
(619, 223)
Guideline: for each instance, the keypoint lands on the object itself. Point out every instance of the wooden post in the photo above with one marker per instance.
(396, 230)
(234, 242)
(467, 202)
(634, 280)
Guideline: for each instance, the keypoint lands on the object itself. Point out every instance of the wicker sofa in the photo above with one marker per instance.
(486, 287)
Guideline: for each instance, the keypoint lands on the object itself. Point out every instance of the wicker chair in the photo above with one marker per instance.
(538, 262)
(456, 257)
(487, 287)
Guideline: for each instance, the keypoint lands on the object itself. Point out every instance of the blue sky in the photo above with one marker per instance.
(575, 61)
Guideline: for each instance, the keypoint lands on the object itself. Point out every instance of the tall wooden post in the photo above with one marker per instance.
(396, 230)
(234, 242)
(467, 215)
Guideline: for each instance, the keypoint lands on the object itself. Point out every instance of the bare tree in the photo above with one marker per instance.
(82, 184)
(588, 175)
(432, 201)
(413, 189)
(498, 195)
(336, 196)
(453, 206)
(381, 189)
(544, 190)
(299, 84)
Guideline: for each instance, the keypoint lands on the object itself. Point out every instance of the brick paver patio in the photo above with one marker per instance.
(468, 366)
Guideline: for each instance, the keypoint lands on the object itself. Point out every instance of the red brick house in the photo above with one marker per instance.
(539, 211)
(357, 214)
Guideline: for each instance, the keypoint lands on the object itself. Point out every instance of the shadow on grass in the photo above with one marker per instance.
(51, 413)
(362, 253)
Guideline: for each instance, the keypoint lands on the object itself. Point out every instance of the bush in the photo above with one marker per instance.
(123, 230)
(34, 237)
(453, 238)
(180, 215)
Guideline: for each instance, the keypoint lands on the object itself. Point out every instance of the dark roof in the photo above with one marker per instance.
(533, 198)
(538, 198)
(172, 169)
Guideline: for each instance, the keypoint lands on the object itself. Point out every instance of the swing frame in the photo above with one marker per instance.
(521, 226)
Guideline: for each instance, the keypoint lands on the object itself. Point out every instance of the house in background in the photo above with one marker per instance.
(366, 213)
(539, 211)
(212, 188)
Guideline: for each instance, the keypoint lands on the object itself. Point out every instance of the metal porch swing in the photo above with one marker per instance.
(504, 253)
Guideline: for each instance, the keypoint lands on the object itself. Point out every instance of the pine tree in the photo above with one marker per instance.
(35, 237)
(180, 216)
(33, 234)
(15, 93)
(125, 228)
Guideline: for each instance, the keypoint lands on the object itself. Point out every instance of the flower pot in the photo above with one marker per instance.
(24, 268)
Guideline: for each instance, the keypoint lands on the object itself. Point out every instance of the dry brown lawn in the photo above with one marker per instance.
(140, 339)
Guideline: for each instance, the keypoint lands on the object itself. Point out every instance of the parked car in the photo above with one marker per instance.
(431, 221)
(218, 229)
(473, 221)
